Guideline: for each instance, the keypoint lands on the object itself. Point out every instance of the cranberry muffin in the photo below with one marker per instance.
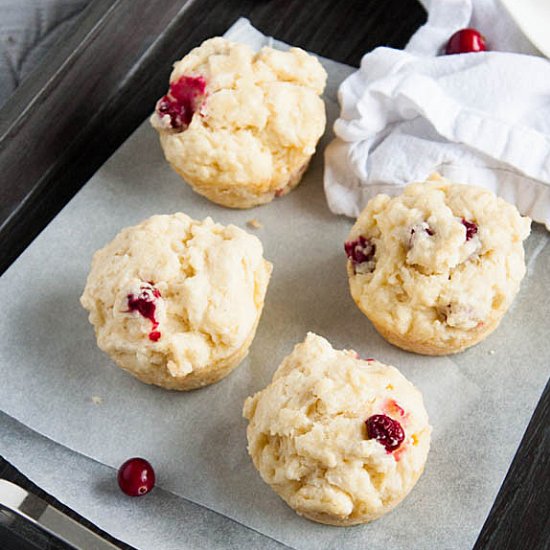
(436, 268)
(240, 127)
(175, 301)
(340, 439)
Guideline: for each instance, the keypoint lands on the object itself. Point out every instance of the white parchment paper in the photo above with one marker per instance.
(479, 402)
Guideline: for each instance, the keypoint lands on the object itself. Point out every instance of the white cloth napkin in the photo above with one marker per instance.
(480, 118)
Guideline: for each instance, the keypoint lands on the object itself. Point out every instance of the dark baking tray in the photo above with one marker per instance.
(101, 81)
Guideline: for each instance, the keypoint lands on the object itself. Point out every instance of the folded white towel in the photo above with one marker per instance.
(480, 118)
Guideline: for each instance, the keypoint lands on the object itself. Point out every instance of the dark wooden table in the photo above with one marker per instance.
(103, 79)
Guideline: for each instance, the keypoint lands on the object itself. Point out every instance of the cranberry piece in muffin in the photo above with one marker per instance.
(471, 228)
(361, 253)
(145, 303)
(183, 99)
(387, 431)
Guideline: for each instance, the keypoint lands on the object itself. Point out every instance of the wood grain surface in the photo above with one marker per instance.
(103, 79)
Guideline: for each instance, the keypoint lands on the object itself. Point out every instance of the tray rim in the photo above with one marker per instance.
(522, 494)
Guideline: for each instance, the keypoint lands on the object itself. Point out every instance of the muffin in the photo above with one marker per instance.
(175, 301)
(436, 268)
(340, 439)
(240, 127)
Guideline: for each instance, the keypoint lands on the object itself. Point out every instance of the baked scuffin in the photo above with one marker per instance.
(436, 268)
(241, 127)
(175, 301)
(342, 440)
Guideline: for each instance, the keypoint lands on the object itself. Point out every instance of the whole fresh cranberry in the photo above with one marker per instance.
(386, 431)
(466, 41)
(136, 477)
